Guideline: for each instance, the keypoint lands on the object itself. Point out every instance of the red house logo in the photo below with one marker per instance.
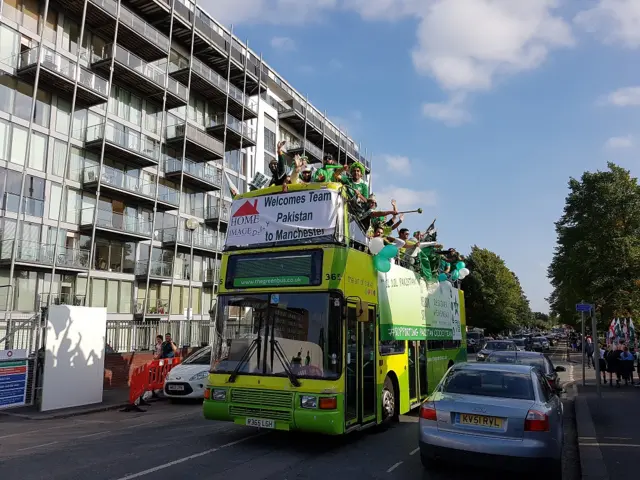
(247, 209)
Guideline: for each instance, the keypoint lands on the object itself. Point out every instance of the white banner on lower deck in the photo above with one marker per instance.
(283, 217)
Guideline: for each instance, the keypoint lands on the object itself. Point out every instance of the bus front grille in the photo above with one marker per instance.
(263, 398)
(283, 416)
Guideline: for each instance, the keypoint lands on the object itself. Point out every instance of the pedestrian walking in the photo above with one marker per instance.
(626, 364)
(603, 362)
(588, 351)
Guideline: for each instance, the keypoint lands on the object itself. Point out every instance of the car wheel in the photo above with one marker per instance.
(389, 406)
(429, 462)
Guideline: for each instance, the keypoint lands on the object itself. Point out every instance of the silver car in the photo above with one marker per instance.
(493, 414)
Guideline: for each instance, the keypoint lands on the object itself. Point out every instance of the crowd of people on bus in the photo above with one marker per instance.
(420, 251)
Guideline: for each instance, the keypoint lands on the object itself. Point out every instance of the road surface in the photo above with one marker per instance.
(173, 441)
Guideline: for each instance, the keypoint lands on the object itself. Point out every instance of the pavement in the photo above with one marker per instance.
(608, 429)
(174, 441)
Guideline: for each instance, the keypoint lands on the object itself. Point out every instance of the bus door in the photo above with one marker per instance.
(418, 385)
(360, 402)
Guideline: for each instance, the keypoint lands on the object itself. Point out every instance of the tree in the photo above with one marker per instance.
(494, 299)
(597, 257)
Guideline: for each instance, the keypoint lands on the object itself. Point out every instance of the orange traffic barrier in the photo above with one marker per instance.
(147, 378)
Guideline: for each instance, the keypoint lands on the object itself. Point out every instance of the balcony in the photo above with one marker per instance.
(123, 144)
(199, 176)
(213, 214)
(239, 135)
(203, 243)
(155, 307)
(28, 253)
(146, 79)
(63, 299)
(72, 259)
(30, 206)
(133, 32)
(210, 279)
(58, 75)
(200, 146)
(298, 147)
(214, 87)
(114, 225)
(120, 186)
(160, 271)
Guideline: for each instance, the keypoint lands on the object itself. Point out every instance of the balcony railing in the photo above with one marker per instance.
(145, 30)
(202, 171)
(158, 269)
(208, 74)
(147, 70)
(212, 212)
(27, 251)
(72, 258)
(120, 136)
(115, 221)
(64, 67)
(183, 236)
(235, 125)
(63, 299)
(30, 206)
(154, 306)
(195, 135)
(306, 146)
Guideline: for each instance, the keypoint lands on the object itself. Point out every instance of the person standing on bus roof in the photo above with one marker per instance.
(356, 182)
(328, 170)
(302, 173)
(278, 167)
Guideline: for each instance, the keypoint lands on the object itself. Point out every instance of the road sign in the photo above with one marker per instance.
(13, 383)
(583, 307)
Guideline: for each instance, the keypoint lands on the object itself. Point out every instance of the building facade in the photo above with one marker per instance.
(122, 123)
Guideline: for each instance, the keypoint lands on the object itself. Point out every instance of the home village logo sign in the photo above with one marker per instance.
(246, 220)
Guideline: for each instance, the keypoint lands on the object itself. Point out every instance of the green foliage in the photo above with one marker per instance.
(494, 299)
(597, 257)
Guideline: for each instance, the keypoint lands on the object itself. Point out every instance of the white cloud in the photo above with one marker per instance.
(614, 21)
(283, 43)
(452, 113)
(623, 97)
(335, 64)
(620, 142)
(465, 44)
(406, 198)
(398, 164)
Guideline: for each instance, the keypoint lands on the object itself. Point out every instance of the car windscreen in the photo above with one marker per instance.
(201, 357)
(488, 383)
(519, 342)
(534, 361)
(499, 346)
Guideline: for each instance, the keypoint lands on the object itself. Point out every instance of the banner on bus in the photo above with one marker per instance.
(283, 217)
(411, 309)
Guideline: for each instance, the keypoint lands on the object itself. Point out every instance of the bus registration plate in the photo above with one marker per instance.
(260, 423)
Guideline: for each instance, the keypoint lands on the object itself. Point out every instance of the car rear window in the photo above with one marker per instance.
(499, 346)
(489, 384)
(538, 362)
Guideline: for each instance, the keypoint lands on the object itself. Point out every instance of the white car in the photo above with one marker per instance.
(188, 380)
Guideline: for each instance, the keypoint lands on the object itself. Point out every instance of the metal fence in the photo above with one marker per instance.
(135, 336)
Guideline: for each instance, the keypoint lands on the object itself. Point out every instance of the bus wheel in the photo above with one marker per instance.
(389, 408)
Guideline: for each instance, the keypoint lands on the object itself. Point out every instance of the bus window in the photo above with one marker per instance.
(392, 347)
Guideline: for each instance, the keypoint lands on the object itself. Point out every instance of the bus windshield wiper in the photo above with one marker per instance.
(253, 346)
(275, 346)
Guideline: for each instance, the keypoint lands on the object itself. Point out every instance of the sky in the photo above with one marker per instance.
(477, 111)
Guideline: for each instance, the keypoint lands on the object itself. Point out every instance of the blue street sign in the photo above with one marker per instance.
(583, 307)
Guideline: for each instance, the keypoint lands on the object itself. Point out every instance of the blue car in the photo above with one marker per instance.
(493, 414)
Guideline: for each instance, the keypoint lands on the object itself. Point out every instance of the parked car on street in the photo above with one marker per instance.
(534, 359)
(494, 345)
(188, 379)
(493, 414)
(539, 344)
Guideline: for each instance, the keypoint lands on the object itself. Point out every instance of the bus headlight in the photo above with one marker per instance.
(219, 395)
(307, 401)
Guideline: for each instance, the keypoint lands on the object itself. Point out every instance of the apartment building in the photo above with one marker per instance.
(121, 124)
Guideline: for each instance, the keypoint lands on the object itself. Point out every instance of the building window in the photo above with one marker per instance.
(269, 141)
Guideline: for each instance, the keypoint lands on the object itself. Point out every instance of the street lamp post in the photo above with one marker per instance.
(192, 226)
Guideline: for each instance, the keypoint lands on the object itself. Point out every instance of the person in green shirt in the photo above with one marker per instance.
(356, 181)
(328, 170)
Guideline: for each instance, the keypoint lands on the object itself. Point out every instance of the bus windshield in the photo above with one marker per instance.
(278, 334)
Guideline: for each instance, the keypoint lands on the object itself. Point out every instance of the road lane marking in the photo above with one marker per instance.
(140, 424)
(94, 434)
(393, 467)
(35, 446)
(190, 457)
(413, 452)
(35, 431)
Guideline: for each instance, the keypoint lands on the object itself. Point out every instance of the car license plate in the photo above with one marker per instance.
(177, 388)
(260, 423)
(479, 421)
